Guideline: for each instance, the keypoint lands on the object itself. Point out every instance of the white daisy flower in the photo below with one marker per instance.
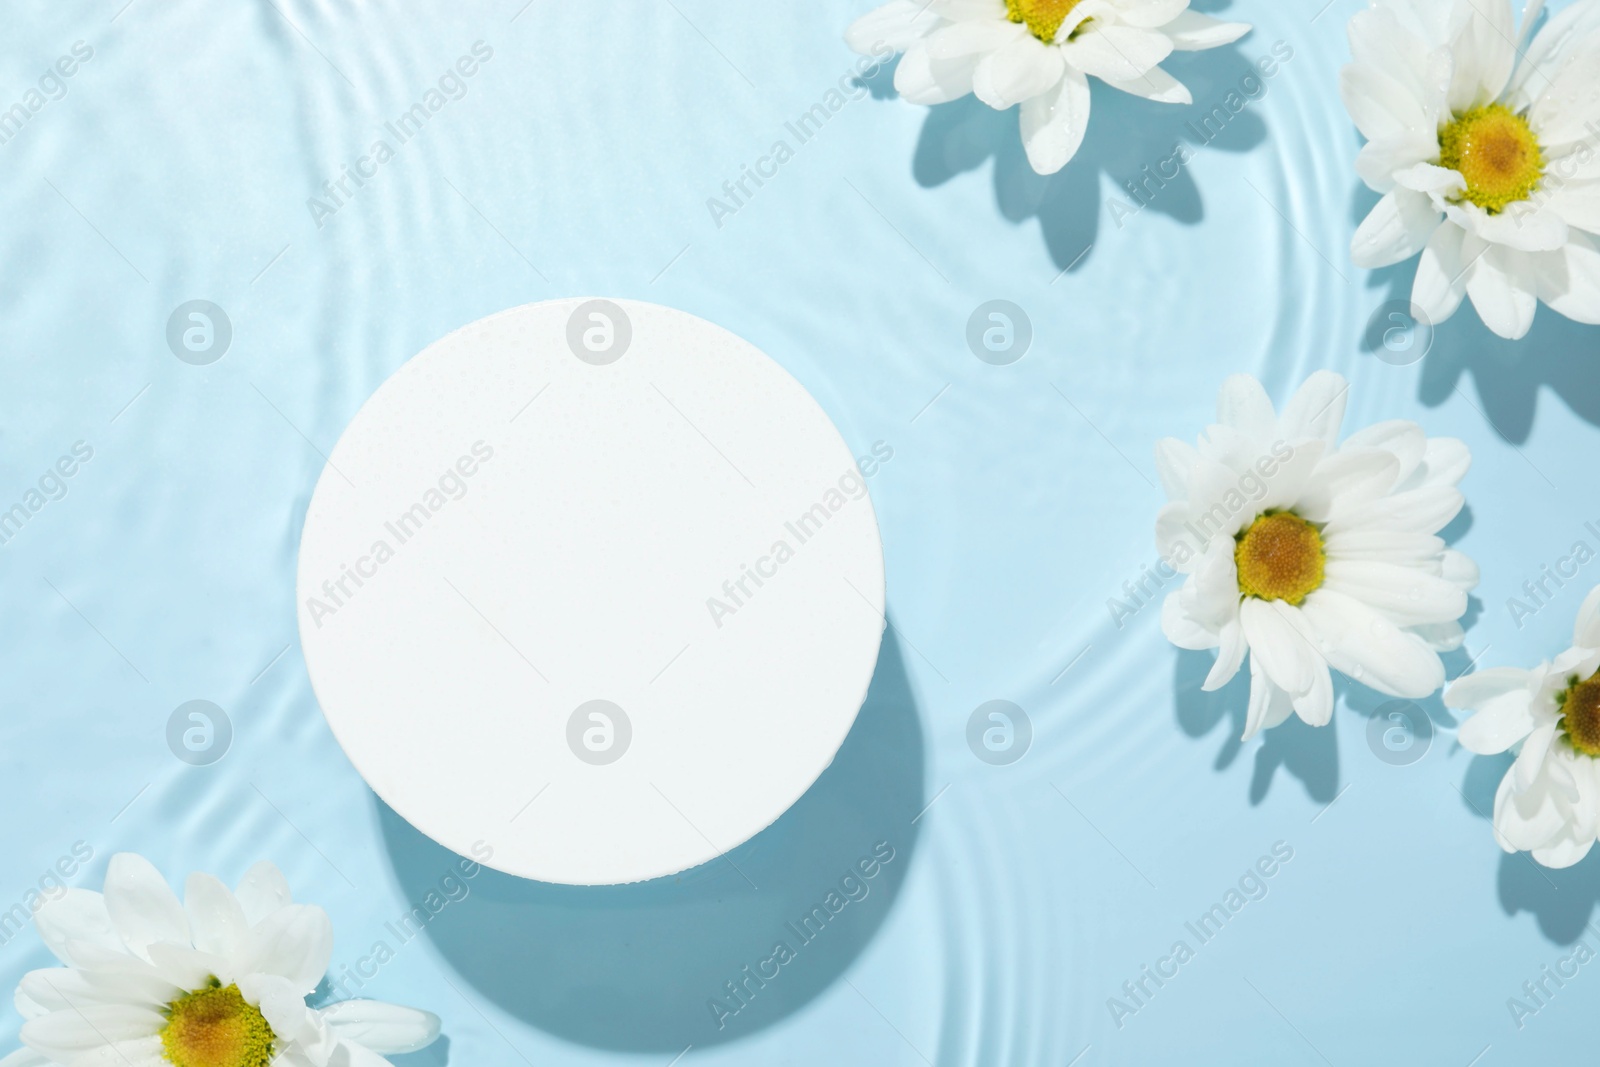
(1040, 54)
(1309, 555)
(219, 980)
(1485, 150)
(1549, 801)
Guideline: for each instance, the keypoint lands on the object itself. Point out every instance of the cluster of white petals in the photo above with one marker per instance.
(132, 955)
(1548, 804)
(1039, 54)
(1348, 572)
(1486, 148)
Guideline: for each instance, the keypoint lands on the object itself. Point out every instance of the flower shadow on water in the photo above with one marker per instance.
(634, 967)
(1557, 353)
(1126, 134)
(1563, 902)
(1308, 753)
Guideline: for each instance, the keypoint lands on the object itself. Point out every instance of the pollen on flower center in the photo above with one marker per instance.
(1580, 715)
(1496, 151)
(1042, 17)
(1280, 557)
(215, 1027)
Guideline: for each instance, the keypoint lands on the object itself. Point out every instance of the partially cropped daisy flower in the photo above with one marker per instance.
(1487, 152)
(1040, 54)
(219, 980)
(1306, 554)
(1549, 801)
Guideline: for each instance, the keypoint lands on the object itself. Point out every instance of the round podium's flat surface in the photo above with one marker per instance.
(592, 589)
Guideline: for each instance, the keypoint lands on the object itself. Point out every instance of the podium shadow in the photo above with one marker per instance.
(692, 958)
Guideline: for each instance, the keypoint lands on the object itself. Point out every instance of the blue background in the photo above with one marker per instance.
(178, 166)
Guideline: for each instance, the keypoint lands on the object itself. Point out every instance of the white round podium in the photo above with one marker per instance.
(591, 591)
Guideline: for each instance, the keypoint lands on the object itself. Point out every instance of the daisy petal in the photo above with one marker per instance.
(1525, 820)
(62, 988)
(976, 38)
(1531, 759)
(1441, 280)
(1566, 851)
(1401, 437)
(1485, 54)
(1361, 643)
(1269, 705)
(1175, 461)
(1155, 84)
(1243, 404)
(1393, 546)
(66, 1035)
(894, 25)
(1405, 595)
(189, 967)
(1459, 569)
(1193, 32)
(1053, 124)
(294, 942)
(1568, 280)
(77, 916)
(262, 891)
(1229, 659)
(1473, 690)
(1427, 510)
(1504, 289)
(137, 1052)
(215, 917)
(921, 79)
(1116, 53)
(1349, 478)
(1500, 722)
(1445, 461)
(1317, 408)
(142, 906)
(387, 1029)
(1276, 644)
(1398, 227)
(25, 1057)
(1441, 636)
(1315, 706)
(1017, 71)
(1180, 629)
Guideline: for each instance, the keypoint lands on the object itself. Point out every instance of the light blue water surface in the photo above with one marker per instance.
(579, 159)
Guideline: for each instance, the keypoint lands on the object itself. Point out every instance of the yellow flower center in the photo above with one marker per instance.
(1496, 151)
(1580, 715)
(1280, 557)
(214, 1027)
(1042, 17)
